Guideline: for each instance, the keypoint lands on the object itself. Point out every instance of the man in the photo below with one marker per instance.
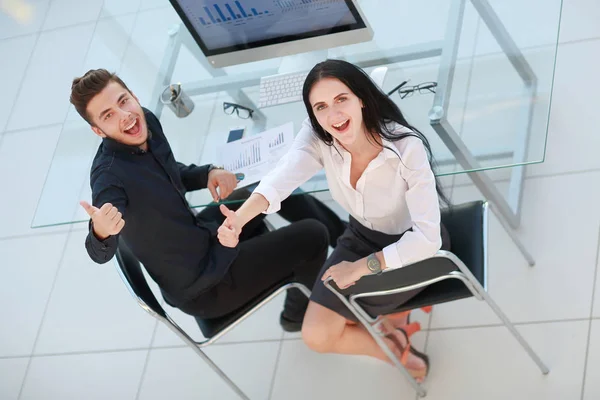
(138, 194)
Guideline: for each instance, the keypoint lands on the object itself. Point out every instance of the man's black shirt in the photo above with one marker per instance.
(180, 252)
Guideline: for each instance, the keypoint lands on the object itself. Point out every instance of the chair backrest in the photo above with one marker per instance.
(467, 226)
(131, 272)
(378, 76)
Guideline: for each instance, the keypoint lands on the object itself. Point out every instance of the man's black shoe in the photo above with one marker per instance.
(289, 325)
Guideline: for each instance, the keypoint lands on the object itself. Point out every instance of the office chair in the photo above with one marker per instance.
(130, 270)
(449, 276)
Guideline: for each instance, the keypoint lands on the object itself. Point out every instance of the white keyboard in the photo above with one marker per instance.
(281, 89)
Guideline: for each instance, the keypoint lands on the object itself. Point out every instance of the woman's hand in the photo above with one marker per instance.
(345, 274)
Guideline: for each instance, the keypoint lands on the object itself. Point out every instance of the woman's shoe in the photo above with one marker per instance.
(416, 352)
(418, 374)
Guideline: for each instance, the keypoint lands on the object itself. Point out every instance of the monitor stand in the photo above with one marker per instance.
(301, 62)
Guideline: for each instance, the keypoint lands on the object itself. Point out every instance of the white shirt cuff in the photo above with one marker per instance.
(272, 197)
(391, 257)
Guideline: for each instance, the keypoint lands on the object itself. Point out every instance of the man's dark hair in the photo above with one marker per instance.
(89, 85)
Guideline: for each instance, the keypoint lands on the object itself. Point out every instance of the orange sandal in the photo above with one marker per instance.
(408, 330)
(417, 374)
(416, 352)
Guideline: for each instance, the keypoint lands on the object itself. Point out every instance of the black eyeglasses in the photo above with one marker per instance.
(242, 112)
(425, 87)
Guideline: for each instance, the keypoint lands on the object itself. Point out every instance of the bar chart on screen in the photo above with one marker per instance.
(232, 11)
(289, 5)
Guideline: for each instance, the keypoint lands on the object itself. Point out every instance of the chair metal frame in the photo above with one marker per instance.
(197, 346)
(463, 273)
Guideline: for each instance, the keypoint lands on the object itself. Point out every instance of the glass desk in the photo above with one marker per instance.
(488, 117)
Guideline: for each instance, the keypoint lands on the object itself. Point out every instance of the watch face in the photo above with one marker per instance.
(373, 264)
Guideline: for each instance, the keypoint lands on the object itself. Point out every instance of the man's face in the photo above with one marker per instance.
(116, 113)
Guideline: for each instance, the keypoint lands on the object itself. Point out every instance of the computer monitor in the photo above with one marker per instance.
(233, 32)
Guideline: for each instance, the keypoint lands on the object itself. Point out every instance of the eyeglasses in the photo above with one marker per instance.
(425, 87)
(242, 112)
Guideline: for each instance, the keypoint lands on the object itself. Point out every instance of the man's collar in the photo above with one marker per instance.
(113, 145)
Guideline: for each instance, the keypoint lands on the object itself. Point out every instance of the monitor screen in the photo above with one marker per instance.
(225, 26)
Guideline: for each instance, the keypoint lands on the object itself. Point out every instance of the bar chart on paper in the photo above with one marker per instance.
(258, 154)
(278, 140)
(228, 12)
(248, 157)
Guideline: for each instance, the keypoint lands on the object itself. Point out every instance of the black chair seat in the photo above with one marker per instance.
(213, 326)
(132, 272)
(465, 224)
(441, 292)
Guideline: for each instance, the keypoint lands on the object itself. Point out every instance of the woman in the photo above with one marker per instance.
(378, 169)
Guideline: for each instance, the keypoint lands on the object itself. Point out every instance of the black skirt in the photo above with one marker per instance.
(358, 242)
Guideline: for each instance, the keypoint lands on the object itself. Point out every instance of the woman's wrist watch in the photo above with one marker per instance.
(373, 264)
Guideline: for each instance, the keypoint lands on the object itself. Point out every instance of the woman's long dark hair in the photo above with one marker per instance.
(379, 111)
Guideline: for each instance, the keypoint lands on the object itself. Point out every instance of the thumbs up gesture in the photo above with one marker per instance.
(106, 220)
(229, 232)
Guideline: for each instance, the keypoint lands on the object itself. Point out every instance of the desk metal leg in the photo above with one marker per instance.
(509, 210)
(483, 182)
(165, 73)
(519, 62)
(511, 50)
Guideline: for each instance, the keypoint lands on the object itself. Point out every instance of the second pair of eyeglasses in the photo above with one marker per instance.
(406, 91)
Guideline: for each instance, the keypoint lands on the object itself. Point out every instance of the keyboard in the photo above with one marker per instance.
(281, 89)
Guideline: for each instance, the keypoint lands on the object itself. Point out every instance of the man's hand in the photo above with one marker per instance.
(222, 179)
(345, 274)
(229, 232)
(106, 220)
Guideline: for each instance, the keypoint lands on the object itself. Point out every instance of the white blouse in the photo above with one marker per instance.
(393, 194)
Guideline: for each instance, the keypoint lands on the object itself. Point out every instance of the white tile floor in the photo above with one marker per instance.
(70, 330)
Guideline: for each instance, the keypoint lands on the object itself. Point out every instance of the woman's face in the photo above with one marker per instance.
(337, 109)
